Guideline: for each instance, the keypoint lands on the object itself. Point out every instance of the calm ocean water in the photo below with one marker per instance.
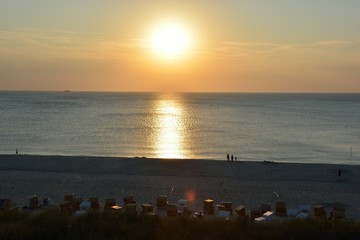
(321, 128)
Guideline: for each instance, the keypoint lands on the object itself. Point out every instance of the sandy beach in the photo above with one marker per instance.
(247, 183)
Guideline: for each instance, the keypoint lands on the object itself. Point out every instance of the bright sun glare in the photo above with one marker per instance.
(170, 40)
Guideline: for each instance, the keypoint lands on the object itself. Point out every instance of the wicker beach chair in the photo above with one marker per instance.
(338, 213)
(68, 197)
(147, 208)
(95, 204)
(208, 206)
(280, 209)
(130, 208)
(34, 202)
(111, 207)
(255, 213)
(240, 210)
(109, 202)
(319, 212)
(187, 212)
(8, 205)
(265, 208)
(161, 201)
(171, 210)
(76, 203)
(228, 207)
(129, 199)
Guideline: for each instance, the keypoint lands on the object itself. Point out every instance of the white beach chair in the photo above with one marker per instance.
(260, 220)
(303, 215)
(181, 204)
(305, 208)
(223, 214)
(292, 213)
(85, 205)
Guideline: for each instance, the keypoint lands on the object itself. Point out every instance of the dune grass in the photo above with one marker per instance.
(55, 225)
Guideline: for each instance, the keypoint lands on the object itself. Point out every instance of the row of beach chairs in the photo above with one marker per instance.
(210, 209)
(263, 213)
(8, 205)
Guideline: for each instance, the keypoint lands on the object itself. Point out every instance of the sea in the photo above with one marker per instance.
(279, 127)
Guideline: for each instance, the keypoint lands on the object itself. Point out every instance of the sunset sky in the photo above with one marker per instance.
(231, 45)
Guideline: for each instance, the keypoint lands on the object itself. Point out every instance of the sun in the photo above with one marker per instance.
(170, 40)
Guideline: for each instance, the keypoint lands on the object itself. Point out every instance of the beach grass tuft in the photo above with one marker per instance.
(100, 225)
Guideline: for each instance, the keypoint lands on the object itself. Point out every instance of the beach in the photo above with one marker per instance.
(240, 182)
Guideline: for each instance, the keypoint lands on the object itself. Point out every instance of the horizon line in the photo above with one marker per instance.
(225, 92)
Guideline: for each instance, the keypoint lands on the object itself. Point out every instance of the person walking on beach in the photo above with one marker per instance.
(232, 158)
(228, 157)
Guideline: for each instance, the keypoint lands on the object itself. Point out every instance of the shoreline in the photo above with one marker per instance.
(275, 161)
(241, 182)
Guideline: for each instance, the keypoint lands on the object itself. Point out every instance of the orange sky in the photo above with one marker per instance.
(238, 46)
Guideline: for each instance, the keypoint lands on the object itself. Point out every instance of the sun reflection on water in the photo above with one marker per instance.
(170, 129)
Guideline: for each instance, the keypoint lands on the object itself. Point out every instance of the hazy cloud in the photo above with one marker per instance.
(242, 49)
(68, 44)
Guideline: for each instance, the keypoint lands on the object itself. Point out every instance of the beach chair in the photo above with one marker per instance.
(111, 207)
(304, 211)
(223, 214)
(227, 207)
(208, 206)
(187, 212)
(266, 217)
(109, 202)
(171, 210)
(116, 209)
(224, 210)
(199, 215)
(269, 215)
(161, 201)
(255, 213)
(146, 208)
(66, 207)
(319, 212)
(130, 208)
(95, 204)
(293, 213)
(338, 213)
(8, 205)
(34, 203)
(81, 207)
(85, 205)
(129, 199)
(76, 203)
(280, 209)
(181, 204)
(68, 197)
(305, 208)
(265, 208)
(260, 220)
(240, 210)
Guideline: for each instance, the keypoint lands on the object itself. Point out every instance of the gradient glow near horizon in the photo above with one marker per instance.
(236, 46)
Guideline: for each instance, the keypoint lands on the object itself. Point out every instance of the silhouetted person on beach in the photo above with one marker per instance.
(232, 158)
(17, 151)
(235, 158)
(339, 173)
(228, 157)
(46, 202)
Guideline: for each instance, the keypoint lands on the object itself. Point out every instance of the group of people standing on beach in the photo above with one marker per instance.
(231, 158)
